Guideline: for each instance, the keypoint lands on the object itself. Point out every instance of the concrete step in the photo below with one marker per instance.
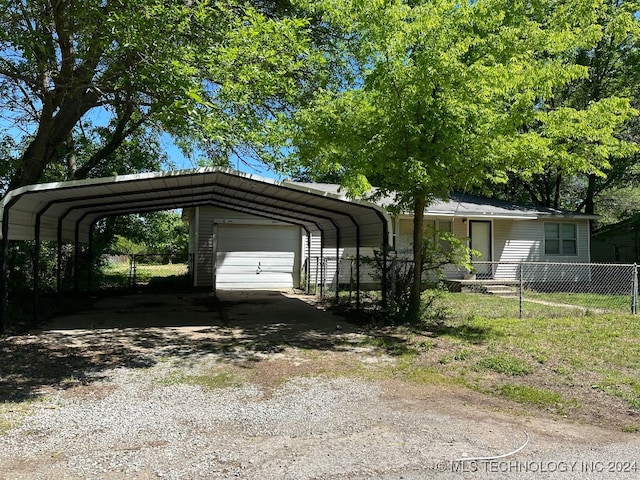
(501, 290)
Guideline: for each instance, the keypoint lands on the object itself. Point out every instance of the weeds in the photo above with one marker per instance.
(539, 397)
(505, 364)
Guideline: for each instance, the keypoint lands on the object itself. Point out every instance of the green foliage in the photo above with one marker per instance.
(125, 245)
(540, 397)
(588, 122)
(441, 86)
(158, 232)
(447, 94)
(83, 78)
(440, 249)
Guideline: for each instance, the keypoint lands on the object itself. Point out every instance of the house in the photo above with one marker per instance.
(506, 233)
(617, 243)
(241, 250)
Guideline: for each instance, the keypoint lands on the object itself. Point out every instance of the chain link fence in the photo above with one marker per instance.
(155, 269)
(40, 285)
(544, 288)
(492, 289)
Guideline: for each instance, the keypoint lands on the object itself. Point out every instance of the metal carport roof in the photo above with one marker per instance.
(65, 211)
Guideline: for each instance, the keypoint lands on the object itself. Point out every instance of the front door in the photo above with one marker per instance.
(480, 234)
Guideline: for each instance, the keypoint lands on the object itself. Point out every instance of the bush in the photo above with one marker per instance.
(440, 249)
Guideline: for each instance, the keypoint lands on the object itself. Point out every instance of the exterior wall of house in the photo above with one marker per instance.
(346, 271)
(511, 240)
(204, 247)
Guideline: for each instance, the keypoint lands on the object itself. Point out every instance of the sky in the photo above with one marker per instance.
(182, 162)
(174, 153)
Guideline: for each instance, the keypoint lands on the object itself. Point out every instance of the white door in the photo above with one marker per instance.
(257, 256)
(480, 235)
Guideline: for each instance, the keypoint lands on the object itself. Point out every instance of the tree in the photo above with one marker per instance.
(613, 64)
(157, 232)
(442, 94)
(205, 72)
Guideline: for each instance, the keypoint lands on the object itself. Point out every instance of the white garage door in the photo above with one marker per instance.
(251, 256)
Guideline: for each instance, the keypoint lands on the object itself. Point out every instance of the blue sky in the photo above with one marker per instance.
(183, 162)
(176, 157)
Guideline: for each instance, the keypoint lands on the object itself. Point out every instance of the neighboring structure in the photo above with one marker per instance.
(617, 243)
(244, 251)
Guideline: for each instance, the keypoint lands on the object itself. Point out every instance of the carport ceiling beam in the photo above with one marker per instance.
(288, 212)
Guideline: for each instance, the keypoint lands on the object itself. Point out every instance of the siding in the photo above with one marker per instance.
(205, 247)
(347, 269)
(523, 241)
(512, 241)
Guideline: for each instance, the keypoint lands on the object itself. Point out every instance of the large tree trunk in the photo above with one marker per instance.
(419, 204)
(589, 203)
(52, 136)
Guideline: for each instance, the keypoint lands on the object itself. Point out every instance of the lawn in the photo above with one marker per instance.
(567, 362)
(592, 301)
(117, 274)
(536, 304)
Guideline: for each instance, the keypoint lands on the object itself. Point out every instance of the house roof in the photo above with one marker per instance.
(471, 206)
(67, 211)
(626, 226)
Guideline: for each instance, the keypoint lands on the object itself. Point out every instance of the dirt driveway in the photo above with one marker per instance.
(259, 385)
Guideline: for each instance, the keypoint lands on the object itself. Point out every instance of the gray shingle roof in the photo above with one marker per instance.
(463, 205)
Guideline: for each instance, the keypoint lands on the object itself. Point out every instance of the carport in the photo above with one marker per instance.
(67, 212)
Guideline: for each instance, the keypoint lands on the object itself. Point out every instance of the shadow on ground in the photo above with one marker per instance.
(137, 331)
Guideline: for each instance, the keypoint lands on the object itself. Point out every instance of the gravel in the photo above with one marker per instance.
(142, 424)
(130, 412)
(147, 428)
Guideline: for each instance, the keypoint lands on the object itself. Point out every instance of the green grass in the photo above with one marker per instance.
(594, 301)
(626, 388)
(465, 305)
(565, 358)
(145, 272)
(505, 364)
(539, 397)
(117, 274)
(566, 304)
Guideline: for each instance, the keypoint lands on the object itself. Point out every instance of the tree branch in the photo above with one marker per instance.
(121, 132)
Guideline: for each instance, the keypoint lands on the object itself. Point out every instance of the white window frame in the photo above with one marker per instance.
(561, 240)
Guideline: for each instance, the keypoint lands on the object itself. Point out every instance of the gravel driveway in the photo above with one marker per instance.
(262, 388)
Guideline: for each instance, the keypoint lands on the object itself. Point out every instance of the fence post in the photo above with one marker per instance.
(337, 277)
(521, 295)
(132, 270)
(315, 284)
(634, 290)
(350, 280)
(393, 275)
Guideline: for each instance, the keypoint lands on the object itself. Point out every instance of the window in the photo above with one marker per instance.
(405, 231)
(560, 239)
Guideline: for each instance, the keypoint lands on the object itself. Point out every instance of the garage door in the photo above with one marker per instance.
(250, 256)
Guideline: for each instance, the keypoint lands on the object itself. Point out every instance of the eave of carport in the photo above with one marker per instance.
(67, 211)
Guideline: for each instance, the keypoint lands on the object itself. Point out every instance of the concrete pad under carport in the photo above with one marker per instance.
(245, 322)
